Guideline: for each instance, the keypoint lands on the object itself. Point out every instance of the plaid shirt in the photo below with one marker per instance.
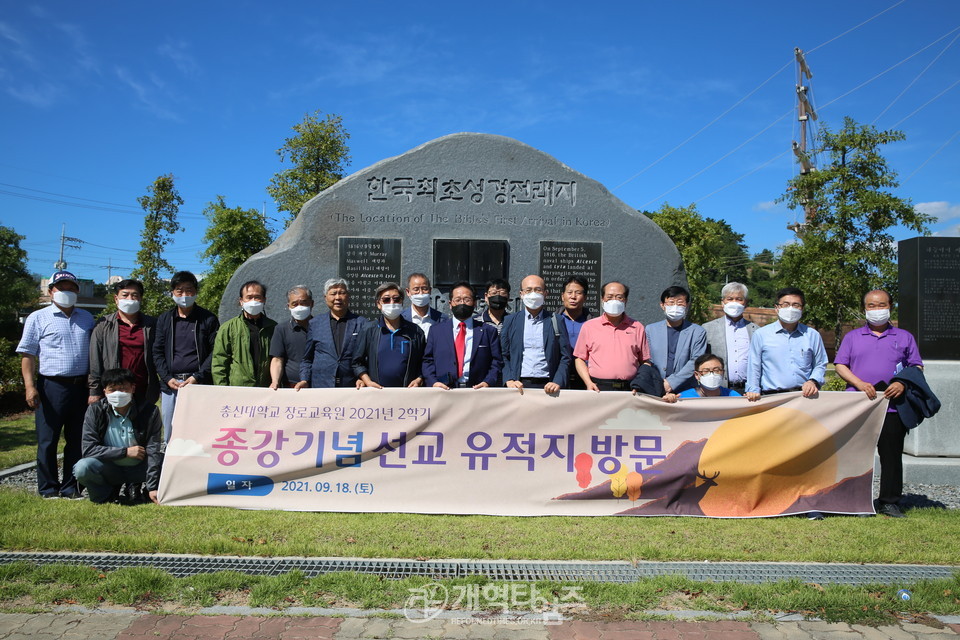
(60, 342)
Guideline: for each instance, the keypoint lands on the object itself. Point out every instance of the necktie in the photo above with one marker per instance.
(460, 343)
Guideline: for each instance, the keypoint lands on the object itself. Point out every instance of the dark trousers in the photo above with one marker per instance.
(890, 448)
(62, 406)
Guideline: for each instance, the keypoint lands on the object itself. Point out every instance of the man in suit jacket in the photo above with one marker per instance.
(536, 350)
(479, 363)
(729, 336)
(675, 343)
(331, 340)
(420, 312)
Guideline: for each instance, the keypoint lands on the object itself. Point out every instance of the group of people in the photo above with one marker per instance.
(122, 365)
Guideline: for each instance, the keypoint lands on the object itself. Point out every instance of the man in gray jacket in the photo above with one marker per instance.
(122, 442)
(729, 336)
(125, 339)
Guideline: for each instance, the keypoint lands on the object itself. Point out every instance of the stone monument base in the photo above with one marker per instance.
(939, 436)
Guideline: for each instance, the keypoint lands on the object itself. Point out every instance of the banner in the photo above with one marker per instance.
(497, 452)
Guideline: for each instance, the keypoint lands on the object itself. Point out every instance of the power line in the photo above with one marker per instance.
(918, 76)
(924, 163)
(718, 160)
(704, 128)
(893, 6)
(918, 109)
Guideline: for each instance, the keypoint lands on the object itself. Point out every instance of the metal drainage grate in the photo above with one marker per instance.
(525, 571)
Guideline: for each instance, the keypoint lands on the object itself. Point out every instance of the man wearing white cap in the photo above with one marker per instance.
(59, 337)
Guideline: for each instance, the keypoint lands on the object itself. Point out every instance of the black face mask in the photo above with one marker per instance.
(462, 311)
(497, 302)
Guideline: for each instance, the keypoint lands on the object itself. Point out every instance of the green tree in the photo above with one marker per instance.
(700, 242)
(234, 235)
(319, 155)
(846, 248)
(17, 287)
(162, 203)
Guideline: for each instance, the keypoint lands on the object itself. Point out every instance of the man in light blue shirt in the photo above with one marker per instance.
(786, 355)
(58, 337)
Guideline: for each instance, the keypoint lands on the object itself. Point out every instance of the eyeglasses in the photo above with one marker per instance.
(497, 292)
(704, 372)
(787, 305)
(674, 302)
(389, 299)
(533, 290)
(466, 300)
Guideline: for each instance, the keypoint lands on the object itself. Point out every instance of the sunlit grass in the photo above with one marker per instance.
(926, 536)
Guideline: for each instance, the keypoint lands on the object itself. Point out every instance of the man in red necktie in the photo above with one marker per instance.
(463, 351)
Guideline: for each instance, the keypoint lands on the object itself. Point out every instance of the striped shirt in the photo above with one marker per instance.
(60, 342)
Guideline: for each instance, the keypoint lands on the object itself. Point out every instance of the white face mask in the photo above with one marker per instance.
(64, 299)
(733, 309)
(253, 307)
(300, 312)
(184, 302)
(675, 312)
(614, 307)
(878, 317)
(533, 300)
(391, 310)
(711, 381)
(119, 399)
(128, 306)
(789, 315)
(420, 299)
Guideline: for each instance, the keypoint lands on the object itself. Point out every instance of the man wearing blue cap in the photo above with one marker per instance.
(59, 337)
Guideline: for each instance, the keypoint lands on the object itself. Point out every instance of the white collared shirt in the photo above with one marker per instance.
(468, 346)
(424, 322)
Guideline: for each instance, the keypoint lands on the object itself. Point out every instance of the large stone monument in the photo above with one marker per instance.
(472, 207)
(929, 299)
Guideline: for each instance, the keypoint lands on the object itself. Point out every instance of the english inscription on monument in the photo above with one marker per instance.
(366, 263)
(471, 207)
(559, 260)
(930, 294)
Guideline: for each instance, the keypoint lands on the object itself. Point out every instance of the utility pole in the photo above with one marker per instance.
(805, 113)
(65, 241)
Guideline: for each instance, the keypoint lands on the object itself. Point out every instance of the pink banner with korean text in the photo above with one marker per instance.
(497, 452)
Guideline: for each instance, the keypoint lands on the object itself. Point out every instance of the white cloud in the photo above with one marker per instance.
(941, 210)
(769, 205)
(42, 95)
(949, 232)
(635, 420)
(177, 52)
(145, 93)
(81, 47)
(186, 448)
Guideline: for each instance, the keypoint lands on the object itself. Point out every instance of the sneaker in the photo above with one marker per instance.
(50, 496)
(814, 515)
(891, 510)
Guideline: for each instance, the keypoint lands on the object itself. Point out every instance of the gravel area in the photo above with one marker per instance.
(914, 495)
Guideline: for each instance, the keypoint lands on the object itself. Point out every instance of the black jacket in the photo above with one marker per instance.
(147, 427)
(917, 401)
(365, 354)
(207, 327)
(105, 354)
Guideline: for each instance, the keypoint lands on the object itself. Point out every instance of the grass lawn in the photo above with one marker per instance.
(24, 587)
(18, 439)
(926, 536)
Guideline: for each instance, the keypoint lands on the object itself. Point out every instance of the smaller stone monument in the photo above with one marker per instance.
(929, 300)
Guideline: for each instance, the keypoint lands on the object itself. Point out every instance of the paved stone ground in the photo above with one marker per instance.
(135, 626)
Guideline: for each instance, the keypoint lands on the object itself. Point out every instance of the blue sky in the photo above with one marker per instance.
(98, 99)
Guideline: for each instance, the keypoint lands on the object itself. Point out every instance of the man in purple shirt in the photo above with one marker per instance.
(868, 359)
